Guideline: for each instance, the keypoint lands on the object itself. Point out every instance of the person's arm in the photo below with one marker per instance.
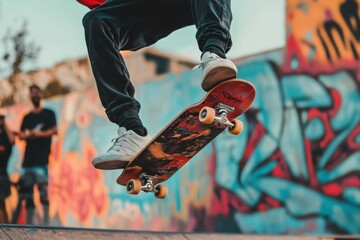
(23, 135)
(50, 131)
(10, 138)
(24, 132)
(10, 135)
(44, 134)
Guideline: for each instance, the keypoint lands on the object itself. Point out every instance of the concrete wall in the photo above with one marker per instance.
(75, 75)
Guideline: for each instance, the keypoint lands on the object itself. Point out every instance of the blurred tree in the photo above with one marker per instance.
(18, 51)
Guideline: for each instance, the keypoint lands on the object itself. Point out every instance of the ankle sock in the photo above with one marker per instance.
(141, 131)
(215, 49)
(137, 127)
(133, 122)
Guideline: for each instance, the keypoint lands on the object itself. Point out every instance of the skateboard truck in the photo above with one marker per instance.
(148, 182)
(223, 110)
(145, 183)
(219, 114)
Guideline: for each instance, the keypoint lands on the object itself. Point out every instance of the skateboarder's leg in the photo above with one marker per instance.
(109, 29)
(126, 25)
(213, 20)
(114, 26)
(131, 25)
(107, 32)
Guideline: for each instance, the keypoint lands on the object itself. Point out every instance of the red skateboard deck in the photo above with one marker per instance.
(186, 135)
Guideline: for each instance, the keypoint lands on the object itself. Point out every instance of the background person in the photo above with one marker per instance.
(7, 139)
(37, 129)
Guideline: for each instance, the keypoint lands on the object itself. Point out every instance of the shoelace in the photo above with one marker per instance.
(117, 143)
(205, 62)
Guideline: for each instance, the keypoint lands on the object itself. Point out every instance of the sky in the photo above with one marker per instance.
(56, 26)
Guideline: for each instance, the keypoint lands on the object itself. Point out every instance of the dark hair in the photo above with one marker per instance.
(34, 86)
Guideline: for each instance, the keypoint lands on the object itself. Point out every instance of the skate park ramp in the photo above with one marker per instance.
(10, 232)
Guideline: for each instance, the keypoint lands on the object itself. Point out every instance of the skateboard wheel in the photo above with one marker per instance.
(207, 115)
(237, 128)
(133, 186)
(162, 191)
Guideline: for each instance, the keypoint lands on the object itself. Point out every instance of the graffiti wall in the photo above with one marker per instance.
(322, 36)
(294, 169)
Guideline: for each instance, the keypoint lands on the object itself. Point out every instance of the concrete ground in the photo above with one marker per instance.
(12, 232)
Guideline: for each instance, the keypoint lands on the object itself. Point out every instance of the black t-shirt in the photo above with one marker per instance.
(4, 156)
(38, 149)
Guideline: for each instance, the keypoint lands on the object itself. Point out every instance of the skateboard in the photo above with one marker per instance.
(186, 135)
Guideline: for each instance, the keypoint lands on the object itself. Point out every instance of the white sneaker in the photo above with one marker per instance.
(215, 70)
(126, 145)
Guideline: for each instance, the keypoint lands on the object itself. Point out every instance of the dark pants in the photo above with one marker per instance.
(4, 193)
(134, 24)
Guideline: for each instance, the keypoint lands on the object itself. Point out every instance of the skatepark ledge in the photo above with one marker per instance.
(12, 232)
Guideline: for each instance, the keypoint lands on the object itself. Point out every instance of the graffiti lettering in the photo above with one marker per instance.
(331, 39)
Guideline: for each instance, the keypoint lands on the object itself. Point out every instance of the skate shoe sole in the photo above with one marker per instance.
(109, 163)
(217, 75)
